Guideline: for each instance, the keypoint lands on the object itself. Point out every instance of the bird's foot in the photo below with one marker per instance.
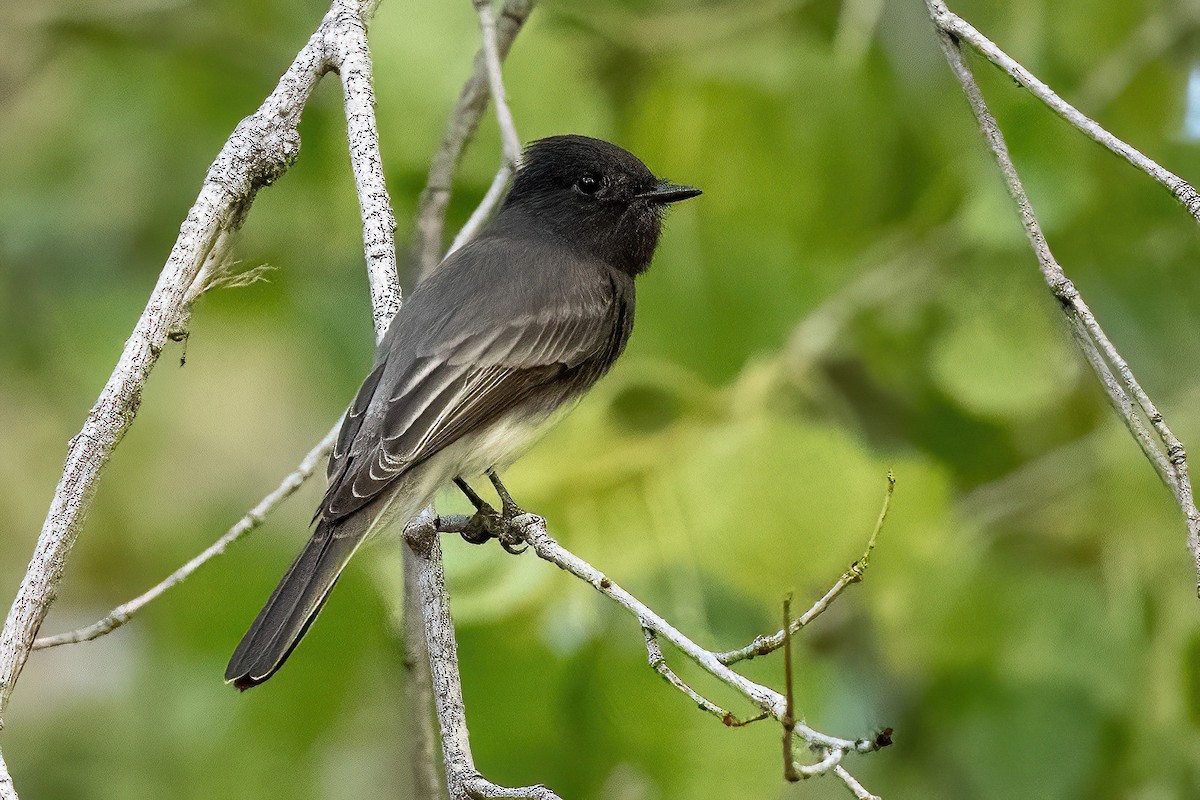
(487, 523)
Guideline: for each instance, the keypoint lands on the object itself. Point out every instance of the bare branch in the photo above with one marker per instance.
(419, 688)
(510, 141)
(954, 26)
(658, 663)
(532, 529)
(1171, 460)
(351, 56)
(7, 790)
(763, 645)
(853, 785)
(424, 549)
(253, 518)
(261, 148)
(464, 120)
(789, 714)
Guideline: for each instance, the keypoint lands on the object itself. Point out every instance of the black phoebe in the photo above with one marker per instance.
(511, 328)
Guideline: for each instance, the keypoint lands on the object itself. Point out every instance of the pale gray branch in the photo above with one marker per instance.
(510, 141)
(426, 249)
(764, 645)
(252, 520)
(260, 149)
(1130, 401)
(348, 44)
(853, 785)
(959, 30)
(464, 781)
(532, 529)
(7, 790)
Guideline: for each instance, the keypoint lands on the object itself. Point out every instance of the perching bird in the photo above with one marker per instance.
(509, 329)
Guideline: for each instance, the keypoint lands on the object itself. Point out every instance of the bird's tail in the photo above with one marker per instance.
(295, 602)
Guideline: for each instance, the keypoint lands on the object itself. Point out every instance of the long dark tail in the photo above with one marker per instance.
(295, 602)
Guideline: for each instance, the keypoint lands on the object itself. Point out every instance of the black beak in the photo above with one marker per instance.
(667, 192)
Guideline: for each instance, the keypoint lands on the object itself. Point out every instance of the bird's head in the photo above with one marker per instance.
(595, 196)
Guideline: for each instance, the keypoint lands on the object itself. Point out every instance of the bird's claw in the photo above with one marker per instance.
(487, 524)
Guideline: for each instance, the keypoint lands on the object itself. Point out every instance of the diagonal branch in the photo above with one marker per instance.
(248, 523)
(764, 645)
(1130, 401)
(959, 30)
(658, 663)
(510, 141)
(260, 149)
(426, 250)
(532, 529)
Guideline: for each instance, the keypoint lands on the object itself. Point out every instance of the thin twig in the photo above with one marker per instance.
(260, 149)
(510, 141)
(1171, 460)
(954, 26)
(658, 663)
(532, 529)
(426, 249)
(789, 714)
(253, 518)
(853, 785)
(764, 645)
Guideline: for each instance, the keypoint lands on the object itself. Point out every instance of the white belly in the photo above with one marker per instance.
(472, 455)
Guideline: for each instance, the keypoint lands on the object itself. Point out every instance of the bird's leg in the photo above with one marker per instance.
(509, 510)
(484, 523)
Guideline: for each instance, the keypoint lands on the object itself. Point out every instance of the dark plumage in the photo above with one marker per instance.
(509, 329)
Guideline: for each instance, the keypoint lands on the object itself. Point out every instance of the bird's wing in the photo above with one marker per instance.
(453, 387)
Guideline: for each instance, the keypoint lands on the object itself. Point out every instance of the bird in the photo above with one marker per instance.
(503, 337)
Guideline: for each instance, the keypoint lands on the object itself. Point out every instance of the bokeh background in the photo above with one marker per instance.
(852, 293)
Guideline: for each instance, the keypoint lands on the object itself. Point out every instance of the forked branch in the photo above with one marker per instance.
(1131, 402)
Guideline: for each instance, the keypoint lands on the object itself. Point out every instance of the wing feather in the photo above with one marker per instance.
(442, 377)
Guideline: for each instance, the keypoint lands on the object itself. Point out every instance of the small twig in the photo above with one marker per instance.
(764, 645)
(853, 785)
(510, 141)
(532, 529)
(460, 130)
(803, 771)
(950, 24)
(789, 715)
(1171, 461)
(253, 518)
(658, 663)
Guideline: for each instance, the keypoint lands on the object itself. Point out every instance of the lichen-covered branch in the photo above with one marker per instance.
(7, 790)
(1131, 402)
(261, 148)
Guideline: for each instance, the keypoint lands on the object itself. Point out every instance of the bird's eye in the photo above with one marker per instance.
(588, 184)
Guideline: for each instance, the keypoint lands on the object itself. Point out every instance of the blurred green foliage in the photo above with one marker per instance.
(852, 293)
